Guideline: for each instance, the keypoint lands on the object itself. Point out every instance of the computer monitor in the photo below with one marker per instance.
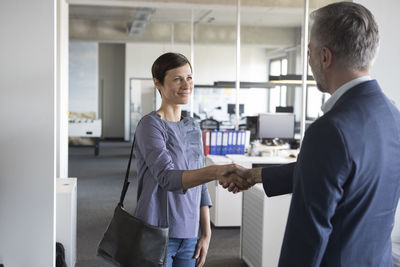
(276, 125)
(281, 109)
(251, 125)
(232, 108)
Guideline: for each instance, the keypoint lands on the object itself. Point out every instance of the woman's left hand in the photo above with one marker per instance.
(201, 250)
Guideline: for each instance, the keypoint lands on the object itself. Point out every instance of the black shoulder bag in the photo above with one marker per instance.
(130, 242)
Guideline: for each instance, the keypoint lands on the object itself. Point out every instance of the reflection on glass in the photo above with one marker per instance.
(275, 67)
(278, 94)
(284, 66)
(213, 102)
(315, 99)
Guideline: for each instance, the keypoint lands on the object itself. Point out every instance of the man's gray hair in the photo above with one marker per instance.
(349, 30)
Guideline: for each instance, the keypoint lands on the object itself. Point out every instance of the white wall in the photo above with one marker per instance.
(27, 136)
(386, 67)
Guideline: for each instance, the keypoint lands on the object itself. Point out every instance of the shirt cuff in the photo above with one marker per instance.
(205, 202)
(175, 181)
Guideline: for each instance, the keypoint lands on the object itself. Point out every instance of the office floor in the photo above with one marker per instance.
(99, 185)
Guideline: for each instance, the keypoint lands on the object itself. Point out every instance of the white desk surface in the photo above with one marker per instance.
(261, 160)
(236, 158)
(218, 160)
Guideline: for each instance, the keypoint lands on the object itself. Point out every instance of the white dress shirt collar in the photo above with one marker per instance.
(328, 105)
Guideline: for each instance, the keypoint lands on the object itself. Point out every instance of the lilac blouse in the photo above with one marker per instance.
(163, 150)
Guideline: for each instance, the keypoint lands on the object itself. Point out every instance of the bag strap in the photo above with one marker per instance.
(126, 182)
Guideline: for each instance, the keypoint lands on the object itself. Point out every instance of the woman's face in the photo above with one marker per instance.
(178, 85)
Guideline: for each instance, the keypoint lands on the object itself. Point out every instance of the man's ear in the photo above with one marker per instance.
(326, 57)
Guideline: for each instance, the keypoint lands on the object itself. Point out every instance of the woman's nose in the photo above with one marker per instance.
(186, 84)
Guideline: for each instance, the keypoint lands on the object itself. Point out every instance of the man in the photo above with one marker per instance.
(346, 181)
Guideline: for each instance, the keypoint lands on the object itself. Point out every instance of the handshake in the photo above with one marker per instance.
(236, 178)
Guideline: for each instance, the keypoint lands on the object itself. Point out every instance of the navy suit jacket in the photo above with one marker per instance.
(345, 184)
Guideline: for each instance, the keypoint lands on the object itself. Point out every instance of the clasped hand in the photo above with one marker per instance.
(235, 178)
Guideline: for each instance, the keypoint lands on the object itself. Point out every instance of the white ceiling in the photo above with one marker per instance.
(282, 13)
(112, 19)
(272, 17)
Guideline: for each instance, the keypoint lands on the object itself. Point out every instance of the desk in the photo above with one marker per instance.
(227, 207)
(249, 162)
(86, 128)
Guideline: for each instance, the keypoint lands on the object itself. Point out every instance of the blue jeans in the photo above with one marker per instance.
(181, 252)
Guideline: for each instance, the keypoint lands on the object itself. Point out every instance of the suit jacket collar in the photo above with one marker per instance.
(328, 105)
(363, 88)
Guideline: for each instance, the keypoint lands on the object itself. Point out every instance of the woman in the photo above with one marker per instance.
(169, 157)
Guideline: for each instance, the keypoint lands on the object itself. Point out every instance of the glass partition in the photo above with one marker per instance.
(213, 102)
(214, 60)
(271, 38)
(271, 41)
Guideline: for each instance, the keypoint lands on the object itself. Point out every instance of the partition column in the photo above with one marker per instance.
(62, 22)
(192, 57)
(305, 68)
(237, 64)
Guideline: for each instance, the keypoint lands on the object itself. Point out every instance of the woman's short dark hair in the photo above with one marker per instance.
(167, 62)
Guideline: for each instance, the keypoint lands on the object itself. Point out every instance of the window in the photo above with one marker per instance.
(277, 95)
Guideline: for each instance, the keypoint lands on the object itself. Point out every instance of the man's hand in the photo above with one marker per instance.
(240, 178)
(234, 182)
(226, 174)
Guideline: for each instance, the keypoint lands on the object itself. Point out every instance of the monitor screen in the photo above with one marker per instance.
(281, 109)
(232, 108)
(251, 125)
(276, 125)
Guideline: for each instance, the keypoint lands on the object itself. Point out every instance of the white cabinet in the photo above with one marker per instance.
(264, 223)
(263, 218)
(227, 207)
(66, 217)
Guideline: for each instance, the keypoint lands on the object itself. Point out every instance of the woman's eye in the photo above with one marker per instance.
(177, 79)
(189, 78)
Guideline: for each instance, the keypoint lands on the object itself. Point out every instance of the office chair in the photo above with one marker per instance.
(209, 124)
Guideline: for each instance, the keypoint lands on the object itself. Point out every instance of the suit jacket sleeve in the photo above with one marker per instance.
(278, 180)
(321, 171)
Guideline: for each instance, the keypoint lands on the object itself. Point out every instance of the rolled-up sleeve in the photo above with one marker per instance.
(151, 144)
(205, 197)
